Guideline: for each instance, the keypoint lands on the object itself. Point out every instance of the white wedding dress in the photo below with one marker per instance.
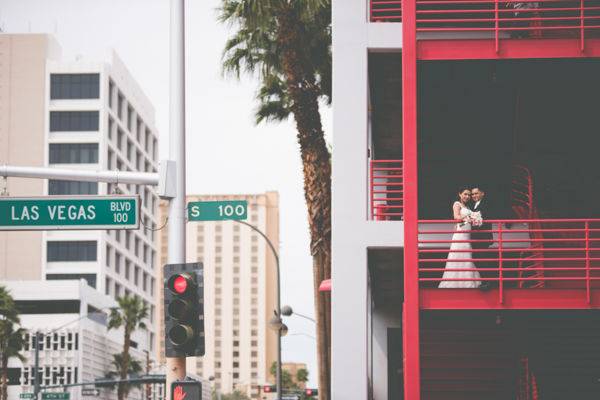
(459, 234)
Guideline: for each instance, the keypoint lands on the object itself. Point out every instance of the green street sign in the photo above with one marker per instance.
(217, 210)
(69, 212)
(27, 396)
(56, 396)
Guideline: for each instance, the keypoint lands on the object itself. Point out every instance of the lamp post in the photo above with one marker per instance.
(275, 323)
(287, 311)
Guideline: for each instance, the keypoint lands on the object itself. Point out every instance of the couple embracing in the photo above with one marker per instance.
(468, 211)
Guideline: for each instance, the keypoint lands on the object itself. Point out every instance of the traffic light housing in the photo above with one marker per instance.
(269, 389)
(311, 392)
(184, 309)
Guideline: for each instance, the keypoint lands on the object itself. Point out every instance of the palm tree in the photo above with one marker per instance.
(12, 338)
(286, 44)
(130, 315)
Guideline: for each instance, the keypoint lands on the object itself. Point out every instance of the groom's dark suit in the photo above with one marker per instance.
(486, 241)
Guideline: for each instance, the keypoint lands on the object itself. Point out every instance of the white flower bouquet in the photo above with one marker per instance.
(475, 219)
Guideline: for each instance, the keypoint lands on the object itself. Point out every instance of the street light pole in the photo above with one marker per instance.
(176, 365)
(278, 311)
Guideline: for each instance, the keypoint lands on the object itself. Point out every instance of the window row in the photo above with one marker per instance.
(73, 153)
(131, 271)
(57, 187)
(131, 119)
(74, 86)
(50, 375)
(74, 121)
(82, 250)
(53, 341)
(90, 278)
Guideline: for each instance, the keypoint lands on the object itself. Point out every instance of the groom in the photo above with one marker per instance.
(485, 239)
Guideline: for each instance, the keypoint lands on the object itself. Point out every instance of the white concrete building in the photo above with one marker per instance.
(80, 115)
(366, 253)
(75, 346)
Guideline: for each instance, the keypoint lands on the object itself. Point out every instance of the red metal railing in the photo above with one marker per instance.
(386, 190)
(385, 11)
(498, 18)
(569, 258)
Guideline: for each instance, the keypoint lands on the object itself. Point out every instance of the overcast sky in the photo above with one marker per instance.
(226, 152)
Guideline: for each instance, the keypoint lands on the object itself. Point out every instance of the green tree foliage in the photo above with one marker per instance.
(12, 338)
(130, 316)
(286, 46)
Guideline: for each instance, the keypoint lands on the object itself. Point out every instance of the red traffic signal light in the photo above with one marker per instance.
(269, 388)
(311, 392)
(179, 283)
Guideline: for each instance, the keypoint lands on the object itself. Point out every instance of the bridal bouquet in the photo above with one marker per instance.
(475, 219)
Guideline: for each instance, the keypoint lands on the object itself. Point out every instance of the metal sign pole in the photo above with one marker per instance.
(177, 208)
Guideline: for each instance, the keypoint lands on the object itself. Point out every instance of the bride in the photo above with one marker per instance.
(464, 218)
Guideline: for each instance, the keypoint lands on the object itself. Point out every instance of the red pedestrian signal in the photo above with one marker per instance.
(311, 392)
(186, 390)
(269, 389)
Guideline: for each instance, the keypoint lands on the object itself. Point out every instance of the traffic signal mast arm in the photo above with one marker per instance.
(163, 179)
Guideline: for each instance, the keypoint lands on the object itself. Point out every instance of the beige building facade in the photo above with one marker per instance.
(240, 279)
(85, 115)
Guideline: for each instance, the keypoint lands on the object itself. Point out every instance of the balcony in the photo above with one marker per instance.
(531, 263)
(386, 190)
(572, 24)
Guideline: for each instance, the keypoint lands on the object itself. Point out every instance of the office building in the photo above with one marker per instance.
(240, 293)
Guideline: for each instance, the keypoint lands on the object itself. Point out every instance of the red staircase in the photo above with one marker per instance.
(523, 206)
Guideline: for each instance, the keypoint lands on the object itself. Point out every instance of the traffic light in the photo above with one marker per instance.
(269, 389)
(184, 310)
(311, 392)
(186, 390)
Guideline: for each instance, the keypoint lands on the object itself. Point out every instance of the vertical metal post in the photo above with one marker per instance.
(411, 339)
(587, 263)
(496, 25)
(36, 373)
(500, 269)
(582, 25)
(177, 215)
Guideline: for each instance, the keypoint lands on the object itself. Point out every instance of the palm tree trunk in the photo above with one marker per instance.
(316, 163)
(121, 392)
(4, 384)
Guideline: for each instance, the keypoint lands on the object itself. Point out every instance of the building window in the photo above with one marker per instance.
(74, 86)
(108, 256)
(120, 101)
(145, 282)
(73, 153)
(130, 118)
(118, 262)
(72, 251)
(72, 187)
(127, 269)
(107, 286)
(90, 278)
(136, 276)
(73, 121)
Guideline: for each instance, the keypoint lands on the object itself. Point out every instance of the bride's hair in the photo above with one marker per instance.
(462, 189)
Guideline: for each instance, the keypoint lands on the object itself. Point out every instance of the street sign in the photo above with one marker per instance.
(27, 396)
(69, 212)
(56, 396)
(217, 210)
(290, 397)
(90, 392)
